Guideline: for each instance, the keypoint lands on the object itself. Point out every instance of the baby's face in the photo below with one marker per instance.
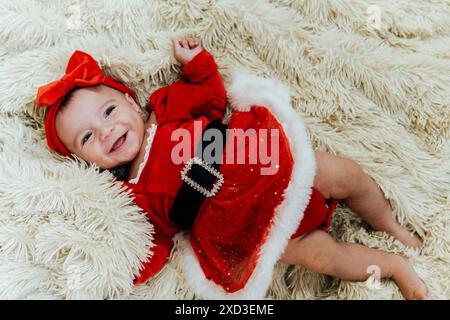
(101, 125)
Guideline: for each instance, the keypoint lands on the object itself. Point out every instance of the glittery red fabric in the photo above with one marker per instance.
(317, 215)
(232, 226)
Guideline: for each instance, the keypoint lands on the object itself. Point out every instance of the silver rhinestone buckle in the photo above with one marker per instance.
(207, 193)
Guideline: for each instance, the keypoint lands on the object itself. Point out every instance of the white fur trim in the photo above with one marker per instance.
(245, 91)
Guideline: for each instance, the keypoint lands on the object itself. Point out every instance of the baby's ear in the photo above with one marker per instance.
(128, 97)
(132, 102)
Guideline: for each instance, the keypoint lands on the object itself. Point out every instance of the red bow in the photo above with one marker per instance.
(82, 71)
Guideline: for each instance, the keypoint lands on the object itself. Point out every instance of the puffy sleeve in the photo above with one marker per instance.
(162, 236)
(201, 93)
(162, 239)
(160, 253)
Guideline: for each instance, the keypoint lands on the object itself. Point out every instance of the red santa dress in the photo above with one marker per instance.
(240, 232)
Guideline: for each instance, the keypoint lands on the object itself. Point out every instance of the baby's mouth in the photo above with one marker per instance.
(119, 142)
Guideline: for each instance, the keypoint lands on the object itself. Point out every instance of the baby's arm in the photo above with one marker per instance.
(203, 79)
(161, 249)
(201, 93)
(162, 235)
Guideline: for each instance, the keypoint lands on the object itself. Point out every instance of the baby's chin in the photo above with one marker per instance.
(127, 156)
(115, 164)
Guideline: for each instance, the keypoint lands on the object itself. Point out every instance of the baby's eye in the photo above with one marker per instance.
(85, 138)
(109, 110)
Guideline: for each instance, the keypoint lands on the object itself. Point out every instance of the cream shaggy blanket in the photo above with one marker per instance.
(370, 81)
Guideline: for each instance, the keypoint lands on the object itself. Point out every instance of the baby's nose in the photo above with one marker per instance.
(105, 132)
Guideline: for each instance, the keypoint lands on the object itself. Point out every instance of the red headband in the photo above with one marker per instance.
(82, 71)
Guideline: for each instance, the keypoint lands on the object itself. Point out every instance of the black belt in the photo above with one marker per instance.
(199, 176)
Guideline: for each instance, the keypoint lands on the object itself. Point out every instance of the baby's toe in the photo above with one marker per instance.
(421, 292)
(416, 242)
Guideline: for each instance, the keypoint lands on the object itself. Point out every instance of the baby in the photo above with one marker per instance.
(247, 221)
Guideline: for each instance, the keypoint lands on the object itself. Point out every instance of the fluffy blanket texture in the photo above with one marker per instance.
(371, 83)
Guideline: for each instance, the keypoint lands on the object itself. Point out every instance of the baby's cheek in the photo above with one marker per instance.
(93, 154)
(136, 145)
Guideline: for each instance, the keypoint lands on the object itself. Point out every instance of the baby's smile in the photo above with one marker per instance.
(120, 143)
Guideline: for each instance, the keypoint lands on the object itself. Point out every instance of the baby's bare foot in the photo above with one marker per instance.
(411, 286)
(407, 238)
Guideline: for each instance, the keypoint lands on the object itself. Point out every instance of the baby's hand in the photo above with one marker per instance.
(186, 49)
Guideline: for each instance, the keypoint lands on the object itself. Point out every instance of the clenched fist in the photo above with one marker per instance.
(186, 49)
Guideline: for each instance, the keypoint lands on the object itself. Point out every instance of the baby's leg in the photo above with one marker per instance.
(319, 252)
(342, 178)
